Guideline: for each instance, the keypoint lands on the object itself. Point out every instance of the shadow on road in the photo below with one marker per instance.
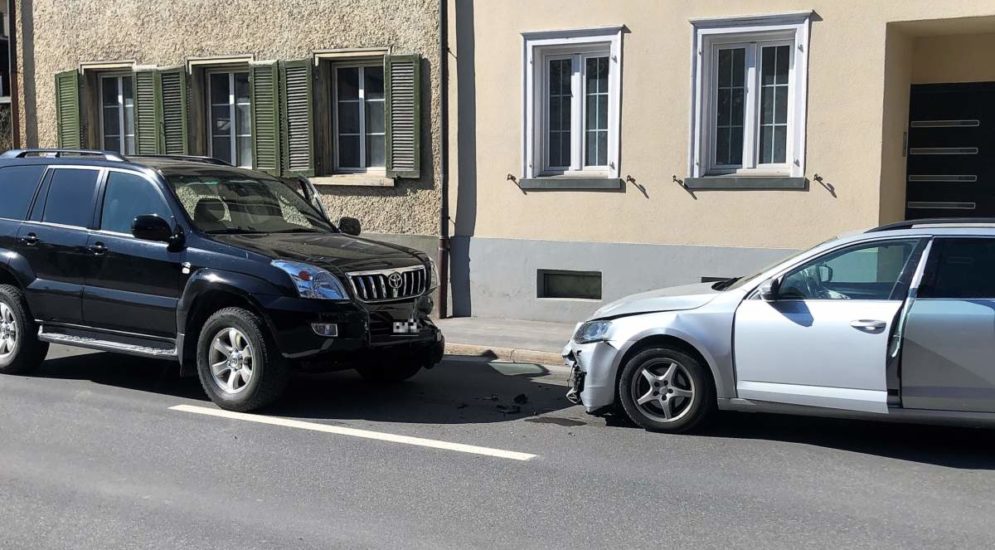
(475, 390)
(460, 390)
(953, 447)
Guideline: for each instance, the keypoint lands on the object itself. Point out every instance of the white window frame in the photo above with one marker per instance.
(124, 135)
(233, 134)
(363, 169)
(752, 33)
(539, 48)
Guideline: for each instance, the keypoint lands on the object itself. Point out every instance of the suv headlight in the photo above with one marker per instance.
(592, 331)
(434, 274)
(312, 282)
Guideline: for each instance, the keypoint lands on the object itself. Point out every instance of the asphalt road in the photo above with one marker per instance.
(92, 455)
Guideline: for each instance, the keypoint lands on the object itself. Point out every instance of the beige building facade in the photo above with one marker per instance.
(610, 147)
(346, 93)
(595, 148)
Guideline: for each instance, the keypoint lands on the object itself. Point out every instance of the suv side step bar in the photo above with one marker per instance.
(113, 342)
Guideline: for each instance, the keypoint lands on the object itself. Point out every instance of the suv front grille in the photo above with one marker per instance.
(389, 284)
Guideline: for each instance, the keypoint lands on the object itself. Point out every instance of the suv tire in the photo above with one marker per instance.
(20, 349)
(666, 390)
(390, 372)
(239, 367)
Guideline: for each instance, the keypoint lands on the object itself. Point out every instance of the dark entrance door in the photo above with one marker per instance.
(951, 151)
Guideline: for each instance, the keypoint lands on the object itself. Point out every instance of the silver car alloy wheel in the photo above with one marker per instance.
(232, 360)
(663, 390)
(8, 331)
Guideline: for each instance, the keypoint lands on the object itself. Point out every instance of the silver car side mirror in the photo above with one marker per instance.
(768, 290)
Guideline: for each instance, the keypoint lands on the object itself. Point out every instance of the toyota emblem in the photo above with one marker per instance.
(394, 280)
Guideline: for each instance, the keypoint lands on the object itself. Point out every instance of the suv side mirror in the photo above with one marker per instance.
(769, 289)
(350, 226)
(152, 228)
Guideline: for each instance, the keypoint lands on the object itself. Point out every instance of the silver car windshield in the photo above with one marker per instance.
(738, 282)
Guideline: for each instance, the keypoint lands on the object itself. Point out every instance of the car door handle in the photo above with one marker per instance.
(98, 249)
(30, 239)
(868, 325)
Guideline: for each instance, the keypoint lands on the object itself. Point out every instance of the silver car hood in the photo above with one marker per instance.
(666, 299)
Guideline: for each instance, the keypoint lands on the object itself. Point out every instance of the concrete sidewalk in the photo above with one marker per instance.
(507, 339)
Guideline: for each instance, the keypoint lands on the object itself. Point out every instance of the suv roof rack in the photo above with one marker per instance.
(909, 224)
(189, 158)
(57, 153)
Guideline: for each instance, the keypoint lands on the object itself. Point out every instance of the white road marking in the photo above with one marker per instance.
(353, 432)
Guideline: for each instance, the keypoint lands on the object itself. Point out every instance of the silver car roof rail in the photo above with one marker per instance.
(909, 224)
(58, 153)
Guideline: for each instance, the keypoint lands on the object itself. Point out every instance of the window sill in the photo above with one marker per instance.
(742, 183)
(354, 180)
(570, 183)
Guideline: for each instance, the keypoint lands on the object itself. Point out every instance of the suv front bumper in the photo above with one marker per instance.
(365, 331)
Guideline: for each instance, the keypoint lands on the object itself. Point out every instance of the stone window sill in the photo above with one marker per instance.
(570, 183)
(744, 183)
(354, 180)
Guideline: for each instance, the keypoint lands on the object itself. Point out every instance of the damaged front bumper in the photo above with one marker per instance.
(593, 369)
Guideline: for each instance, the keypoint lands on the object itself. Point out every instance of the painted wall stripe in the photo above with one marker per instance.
(352, 432)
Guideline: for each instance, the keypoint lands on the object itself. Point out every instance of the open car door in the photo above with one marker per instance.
(821, 337)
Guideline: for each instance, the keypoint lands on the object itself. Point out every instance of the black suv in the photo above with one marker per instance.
(239, 276)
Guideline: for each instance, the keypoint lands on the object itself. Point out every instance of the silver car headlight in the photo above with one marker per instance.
(592, 331)
(312, 282)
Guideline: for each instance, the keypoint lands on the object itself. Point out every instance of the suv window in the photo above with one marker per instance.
(70, 196)
(876, 271)
(17, 187)
(126, 197)
(960, 268)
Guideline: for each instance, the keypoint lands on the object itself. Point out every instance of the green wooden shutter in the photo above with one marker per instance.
(173, 93)
(265, 92)
(402, 76)
(69, 131)
(297, 117)
(148, 112)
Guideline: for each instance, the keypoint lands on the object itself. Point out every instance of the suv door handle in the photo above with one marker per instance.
(98, 249)
(868, 325)
(30, 239)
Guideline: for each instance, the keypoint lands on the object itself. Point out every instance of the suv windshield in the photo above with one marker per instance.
(230, 202)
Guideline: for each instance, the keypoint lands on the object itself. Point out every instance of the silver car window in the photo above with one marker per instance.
(870, 271)
(960, 268)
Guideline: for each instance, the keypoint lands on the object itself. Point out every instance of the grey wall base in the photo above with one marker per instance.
(496, 278)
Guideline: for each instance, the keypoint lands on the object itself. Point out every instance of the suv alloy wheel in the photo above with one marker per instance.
(239, 367)
(20, 350)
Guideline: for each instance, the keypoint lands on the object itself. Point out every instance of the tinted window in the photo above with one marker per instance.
(960, 268)
(225, 201)
(70, 197)
(875, 271)
(17, 187)
(128, 196)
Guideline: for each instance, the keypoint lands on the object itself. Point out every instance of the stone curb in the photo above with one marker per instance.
(506, 354)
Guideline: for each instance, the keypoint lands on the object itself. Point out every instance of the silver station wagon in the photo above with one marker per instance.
(896, 323)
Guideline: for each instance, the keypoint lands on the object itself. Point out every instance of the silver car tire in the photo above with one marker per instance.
(239, 366)
(666, 390)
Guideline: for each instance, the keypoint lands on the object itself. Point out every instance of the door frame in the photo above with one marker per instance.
(889, 363)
